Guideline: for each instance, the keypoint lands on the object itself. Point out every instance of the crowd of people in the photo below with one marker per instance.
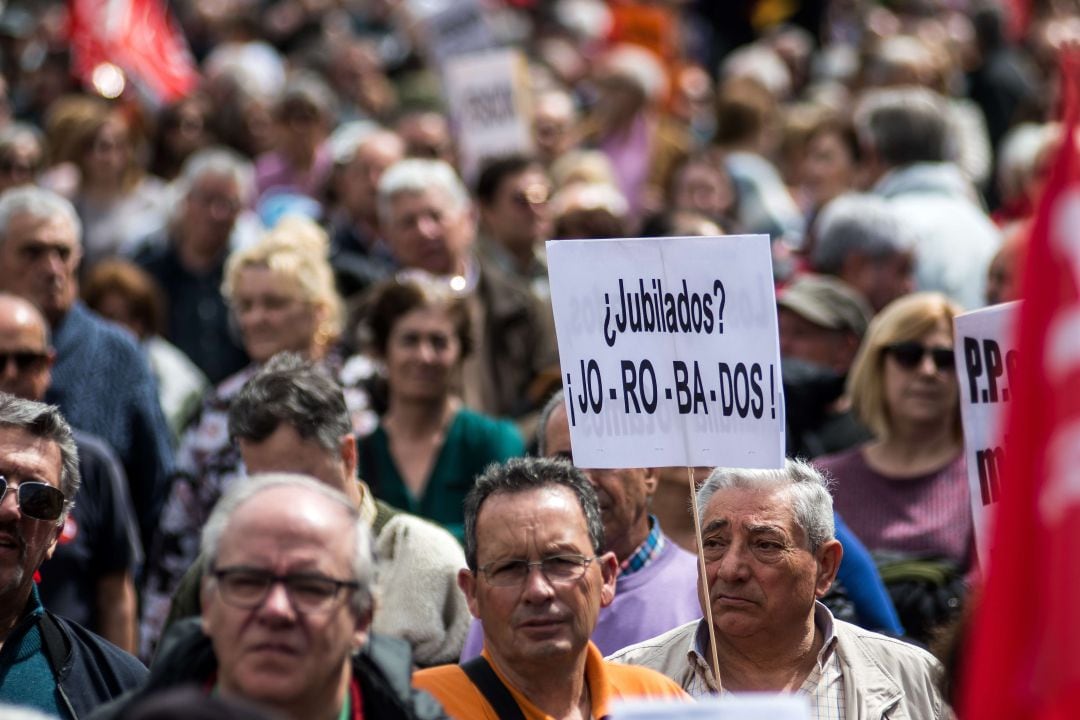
(281, 417)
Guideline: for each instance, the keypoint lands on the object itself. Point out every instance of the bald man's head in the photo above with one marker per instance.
(25, 355)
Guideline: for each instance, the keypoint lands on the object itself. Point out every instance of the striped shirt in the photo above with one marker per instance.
(646, 552)
(824, 686)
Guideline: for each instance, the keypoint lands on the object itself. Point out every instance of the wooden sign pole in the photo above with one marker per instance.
(704, 580)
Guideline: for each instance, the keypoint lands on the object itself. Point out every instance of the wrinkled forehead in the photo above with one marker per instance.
(289, 516)
(535, 521)
(24, 457)
(744, 509)
(432, 197)
(56, 228)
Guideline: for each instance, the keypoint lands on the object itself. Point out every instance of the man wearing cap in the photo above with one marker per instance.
(821, 322)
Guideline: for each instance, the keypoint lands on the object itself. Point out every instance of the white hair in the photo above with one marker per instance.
(1018, 153)
(857, 222)
(808, 489)
(417, 175)
(217, 161)
(38, 203)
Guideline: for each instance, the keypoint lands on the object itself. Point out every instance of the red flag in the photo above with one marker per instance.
(1023, 659)
(136, 36)
(1018, 17)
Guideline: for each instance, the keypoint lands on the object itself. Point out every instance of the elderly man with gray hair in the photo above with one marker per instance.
(187, 259)
(859, 239)
(908, 157)
(286, 611)
(429, 223)
(770, 553)
(101, 380)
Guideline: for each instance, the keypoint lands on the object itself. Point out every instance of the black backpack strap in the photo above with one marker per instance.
(52, 640)
(368, 470)
(488, 683)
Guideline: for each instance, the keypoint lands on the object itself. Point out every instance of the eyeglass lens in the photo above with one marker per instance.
(37, 500)
(248, 588)
(560, 568)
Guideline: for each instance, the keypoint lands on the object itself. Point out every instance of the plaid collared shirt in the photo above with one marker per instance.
(824, 686)
(646, 552)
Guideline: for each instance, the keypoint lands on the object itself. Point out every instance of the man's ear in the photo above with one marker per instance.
(362, 629)
(349, 455)
(853, 267)
(609, 571)
(466, 580)
(828, 558)
(57, 530)
(204, 601)
(651, 479)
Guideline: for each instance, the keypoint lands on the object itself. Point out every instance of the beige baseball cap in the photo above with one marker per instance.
(826, 301)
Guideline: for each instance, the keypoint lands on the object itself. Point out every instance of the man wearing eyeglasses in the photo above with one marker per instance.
(46, 662)
(427, 220)
(654, 586)
(90, 577)
(536, 579)
(286, 611)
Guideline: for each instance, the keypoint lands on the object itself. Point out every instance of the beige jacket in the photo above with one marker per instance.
(884, 678)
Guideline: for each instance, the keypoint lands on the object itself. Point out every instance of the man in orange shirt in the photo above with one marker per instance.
(537, 579)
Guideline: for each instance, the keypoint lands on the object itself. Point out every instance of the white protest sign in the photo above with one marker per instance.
(489, 105)
(452, 27)
(669, 351)
(986, 360)
(731, 707)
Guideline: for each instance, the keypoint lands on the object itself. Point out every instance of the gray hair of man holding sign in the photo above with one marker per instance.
(770, 554)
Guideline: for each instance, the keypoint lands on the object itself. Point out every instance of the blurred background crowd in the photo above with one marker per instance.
(305, 192)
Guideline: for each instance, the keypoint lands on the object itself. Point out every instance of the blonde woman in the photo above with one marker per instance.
(905, 493)
(281, 292)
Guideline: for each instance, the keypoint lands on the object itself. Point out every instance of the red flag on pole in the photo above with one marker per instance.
(135, 36)
(1019, 16)
(1023, 658)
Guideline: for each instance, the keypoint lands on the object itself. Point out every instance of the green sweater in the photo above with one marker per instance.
(473, 441)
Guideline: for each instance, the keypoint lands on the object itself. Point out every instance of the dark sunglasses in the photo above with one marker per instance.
(9, 166)
(909, 355)
(37, 500)
(24, 360)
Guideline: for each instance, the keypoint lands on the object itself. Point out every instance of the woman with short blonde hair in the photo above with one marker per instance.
(905, 492)
(908, 318)
(294, 255)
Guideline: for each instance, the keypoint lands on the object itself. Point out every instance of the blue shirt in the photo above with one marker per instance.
(26, 678)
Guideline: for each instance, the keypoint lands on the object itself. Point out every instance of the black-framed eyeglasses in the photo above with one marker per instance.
(37, 500)
(557, 569)
(910, 354)
(24, 360)
(247, 588)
